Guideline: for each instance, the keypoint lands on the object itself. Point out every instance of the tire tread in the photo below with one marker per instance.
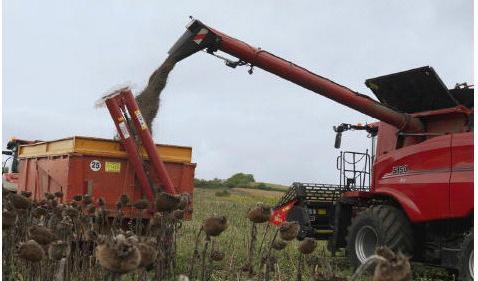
(463, 258)
(394, 228)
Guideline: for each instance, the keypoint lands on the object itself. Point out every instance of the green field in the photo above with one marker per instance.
(235, 240)
(175, 243)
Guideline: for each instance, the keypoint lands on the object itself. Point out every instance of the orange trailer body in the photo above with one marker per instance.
(99, 167)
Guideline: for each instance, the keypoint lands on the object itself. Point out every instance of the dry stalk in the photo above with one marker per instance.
(266, 231)
(300, 266)
(252, 246)
(269, 250)
(279, 276)
(203, 258)
(60, 274)
(195, 254)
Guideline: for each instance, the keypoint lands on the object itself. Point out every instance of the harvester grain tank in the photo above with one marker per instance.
(415, 193)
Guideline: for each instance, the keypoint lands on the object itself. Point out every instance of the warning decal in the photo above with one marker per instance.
(113, 167)
(200, 36)
(141, 120)
(124, 130)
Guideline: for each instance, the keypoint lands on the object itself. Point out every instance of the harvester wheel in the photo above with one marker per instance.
(380, 225)
(465, 259)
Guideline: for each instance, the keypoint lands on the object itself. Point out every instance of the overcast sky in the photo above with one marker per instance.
(59, 57)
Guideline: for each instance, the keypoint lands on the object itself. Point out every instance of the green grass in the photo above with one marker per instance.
(235, 240)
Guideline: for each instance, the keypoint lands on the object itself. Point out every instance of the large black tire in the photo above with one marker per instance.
(465, 268)
(380, 225)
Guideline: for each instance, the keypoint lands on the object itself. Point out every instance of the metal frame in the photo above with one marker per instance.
(125, 112)
(354, 170)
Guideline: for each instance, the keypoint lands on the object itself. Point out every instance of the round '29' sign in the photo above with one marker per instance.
(95, 165)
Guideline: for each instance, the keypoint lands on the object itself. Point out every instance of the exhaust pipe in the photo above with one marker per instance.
(196, 38)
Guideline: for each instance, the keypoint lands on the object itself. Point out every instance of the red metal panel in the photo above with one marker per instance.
(23, 173)
(387, 139)
(182, 176)
(75, 177)
(461, 181)
(107, 184)
(54, 169)
(418, 177)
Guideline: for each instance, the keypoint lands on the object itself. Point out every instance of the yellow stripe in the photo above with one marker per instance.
(100, 147)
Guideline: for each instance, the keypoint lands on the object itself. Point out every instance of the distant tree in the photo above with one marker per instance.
(264, 186)
(214, 183)
(239, 180)
(236, 180)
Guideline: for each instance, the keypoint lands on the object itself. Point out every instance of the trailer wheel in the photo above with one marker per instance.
(378, 226)
(465, 259)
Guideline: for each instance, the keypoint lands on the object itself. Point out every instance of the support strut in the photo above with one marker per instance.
(122, 105)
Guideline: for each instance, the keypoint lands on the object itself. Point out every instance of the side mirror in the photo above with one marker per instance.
(338, 140)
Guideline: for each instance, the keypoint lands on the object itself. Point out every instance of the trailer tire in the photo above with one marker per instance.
(380, 225)
(465, 258)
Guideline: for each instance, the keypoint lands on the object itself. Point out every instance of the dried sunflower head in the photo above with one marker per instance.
(31, 251)
(141, 204)
(58, 194)
(124, 199)
(49, 196)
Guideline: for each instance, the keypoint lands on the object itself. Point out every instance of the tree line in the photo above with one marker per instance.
(237, 180)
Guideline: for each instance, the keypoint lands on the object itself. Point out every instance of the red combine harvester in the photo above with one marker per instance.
(134, 166)
(414, 193)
